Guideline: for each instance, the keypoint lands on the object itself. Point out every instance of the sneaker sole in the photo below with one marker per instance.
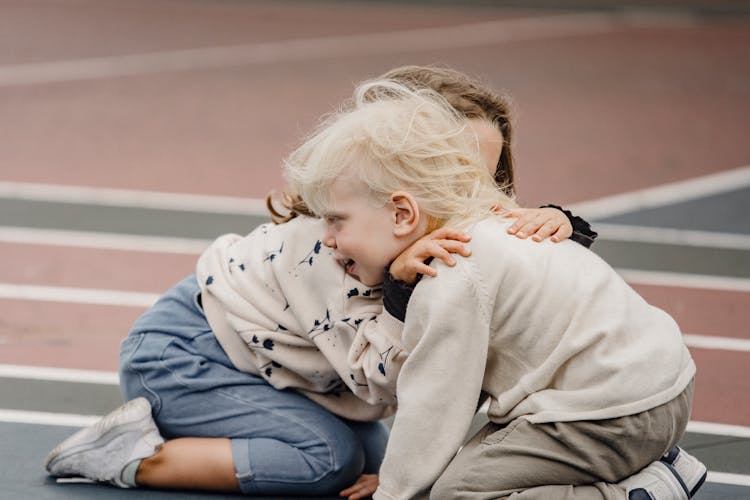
(128, 417)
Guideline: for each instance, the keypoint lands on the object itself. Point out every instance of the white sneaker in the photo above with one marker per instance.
(102, 450)
(658, 481)
(691, 470)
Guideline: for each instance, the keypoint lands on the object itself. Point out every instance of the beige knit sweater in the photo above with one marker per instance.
(550, 331)
(283, 308)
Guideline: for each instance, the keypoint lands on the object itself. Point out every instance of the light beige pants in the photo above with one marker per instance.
(563, 460)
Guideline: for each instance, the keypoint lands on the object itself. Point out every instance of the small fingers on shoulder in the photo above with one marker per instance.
(526, 225)
(423, 269)
(442, 249)
(545, 230)
(448, 233)
(453, 246)
(563, 232)
(439, 251)
(520, 214)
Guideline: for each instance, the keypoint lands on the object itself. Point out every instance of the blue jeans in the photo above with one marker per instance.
(282, 442)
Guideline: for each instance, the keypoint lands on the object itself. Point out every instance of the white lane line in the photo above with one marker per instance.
(682, 280)
(728, 478)
(77, 295)
(716, 343)
(670, 236)
(104, 241)
(46, 418)
(59, 374)
(666, 194)
(415, 40)
(86, 195)
(718, 429)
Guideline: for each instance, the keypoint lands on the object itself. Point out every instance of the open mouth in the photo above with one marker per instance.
(349, 266)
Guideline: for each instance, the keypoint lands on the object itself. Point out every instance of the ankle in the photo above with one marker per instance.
(147, 468)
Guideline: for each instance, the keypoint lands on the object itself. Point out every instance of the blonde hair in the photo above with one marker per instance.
(393, 137)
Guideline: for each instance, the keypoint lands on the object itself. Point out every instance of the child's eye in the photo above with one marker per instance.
(333, 219)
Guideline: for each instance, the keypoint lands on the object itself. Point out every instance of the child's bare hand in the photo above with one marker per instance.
(439, 244)
(539, 223)
(364, 487)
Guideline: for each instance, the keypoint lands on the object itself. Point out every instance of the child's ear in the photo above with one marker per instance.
(406, 214)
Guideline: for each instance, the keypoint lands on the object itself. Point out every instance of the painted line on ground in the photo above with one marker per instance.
(132, 198)
(77, 295)
(45, 418)
(666, 194)
(59, 374)
(698, 427)
(716, 343)
(728, 478)
(670, 236)
(682, 280)
(414, 40)
(104, 241)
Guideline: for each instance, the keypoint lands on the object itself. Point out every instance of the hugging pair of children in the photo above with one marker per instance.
(589, 387)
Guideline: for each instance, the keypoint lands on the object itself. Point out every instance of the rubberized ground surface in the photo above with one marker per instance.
(134, 132)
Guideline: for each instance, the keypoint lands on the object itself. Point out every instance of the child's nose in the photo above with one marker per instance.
(329, 241)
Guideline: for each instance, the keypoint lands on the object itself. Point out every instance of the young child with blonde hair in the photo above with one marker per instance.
(590, 387)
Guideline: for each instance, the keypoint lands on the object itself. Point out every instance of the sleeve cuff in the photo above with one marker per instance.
(582, 232)
(396, 295)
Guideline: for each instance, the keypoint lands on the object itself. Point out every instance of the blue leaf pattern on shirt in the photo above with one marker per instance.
(322, 324)
(310, 257)
(272, 254)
